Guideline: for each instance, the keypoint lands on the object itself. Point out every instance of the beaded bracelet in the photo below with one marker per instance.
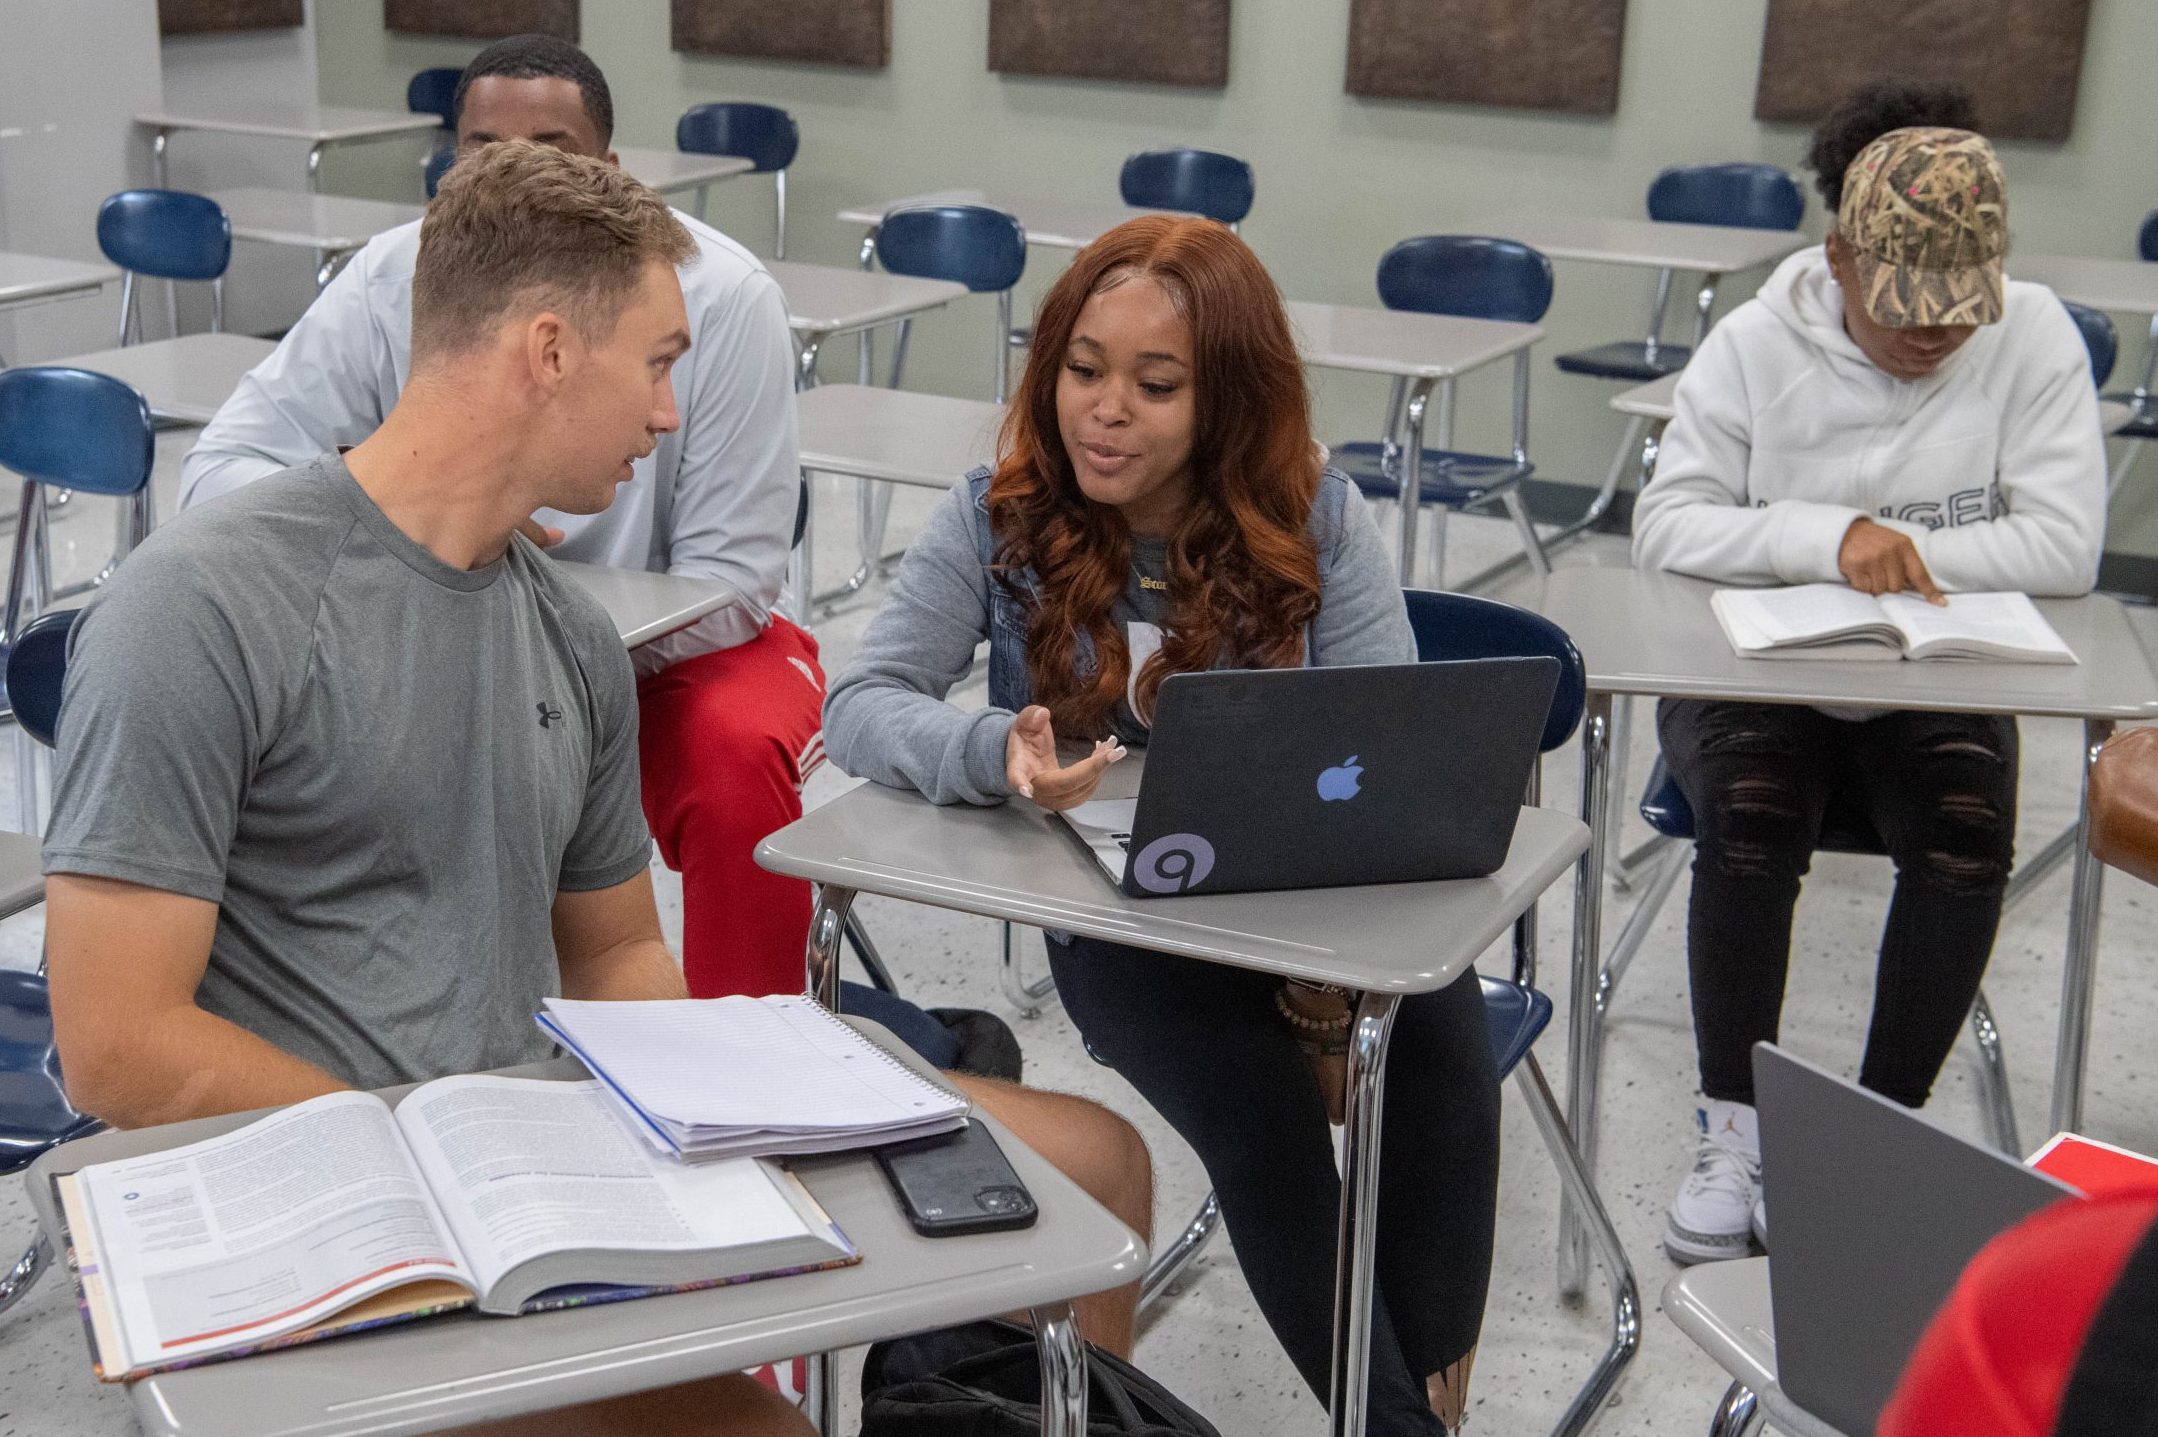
(1310, 1025)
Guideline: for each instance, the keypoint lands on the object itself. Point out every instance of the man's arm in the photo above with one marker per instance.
(608, 943)
(136, 1051)
(329, 382)
(740, 477)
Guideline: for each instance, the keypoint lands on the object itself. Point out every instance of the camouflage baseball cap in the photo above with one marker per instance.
(1925, 212)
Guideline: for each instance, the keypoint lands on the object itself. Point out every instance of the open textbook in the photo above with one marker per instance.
(1830, 621)
(340, 1213)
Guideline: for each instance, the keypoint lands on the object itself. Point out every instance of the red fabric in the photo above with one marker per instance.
(725, 741)
(1997, 1357)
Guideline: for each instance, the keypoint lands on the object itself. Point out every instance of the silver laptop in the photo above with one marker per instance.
(1873, 1213)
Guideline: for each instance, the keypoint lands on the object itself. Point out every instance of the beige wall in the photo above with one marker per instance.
(1339, 178)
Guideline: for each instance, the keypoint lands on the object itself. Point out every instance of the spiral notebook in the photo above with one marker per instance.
(705, 1078)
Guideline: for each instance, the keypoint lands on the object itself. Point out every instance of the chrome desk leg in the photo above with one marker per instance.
(1615, 868)
(1064, 1384)
(1603, 1383)
(1349, 1392)
(1739, 1414)
(1993, 1089)
(23, 1276)
(1583, 1041)
(2040, 865)
(2079, 979)
(805, 363)
(1169, 1264)
(1026, 997)
(314, 169)
(823, 1393)
(164, 179)
(1412, 478)
(1704, 306)
(827, 931)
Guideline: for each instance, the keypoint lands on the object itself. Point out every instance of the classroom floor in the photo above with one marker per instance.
(1209, 1343)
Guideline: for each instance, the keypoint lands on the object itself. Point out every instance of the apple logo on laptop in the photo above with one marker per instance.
(1340, 783)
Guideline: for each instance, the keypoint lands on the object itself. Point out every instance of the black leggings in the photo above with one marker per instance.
(1206, 1046)
(1940, 791)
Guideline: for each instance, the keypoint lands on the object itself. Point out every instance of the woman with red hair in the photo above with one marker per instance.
(1160, 507)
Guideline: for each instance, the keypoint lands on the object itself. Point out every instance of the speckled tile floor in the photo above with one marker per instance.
(1209, 1343)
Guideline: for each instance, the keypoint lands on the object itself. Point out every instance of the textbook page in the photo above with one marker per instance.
(1992, 626)
(265, 1230)
(1756, 620)
(526, 1168)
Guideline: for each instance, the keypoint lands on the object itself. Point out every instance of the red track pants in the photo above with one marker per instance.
(725, 741)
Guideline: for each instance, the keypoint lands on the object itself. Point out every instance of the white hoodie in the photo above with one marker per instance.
(1785, 433)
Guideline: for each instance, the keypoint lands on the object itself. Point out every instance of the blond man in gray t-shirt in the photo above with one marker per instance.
(348, 772)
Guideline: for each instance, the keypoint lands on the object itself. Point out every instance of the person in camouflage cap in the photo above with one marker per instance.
(1923, 225)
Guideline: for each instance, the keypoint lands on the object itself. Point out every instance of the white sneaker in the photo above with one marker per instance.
(1759, 1223)
(1711, 1218)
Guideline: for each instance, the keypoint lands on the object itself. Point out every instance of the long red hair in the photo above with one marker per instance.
(1243, 573)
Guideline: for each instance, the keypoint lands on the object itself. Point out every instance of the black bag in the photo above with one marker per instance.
(984, 1380)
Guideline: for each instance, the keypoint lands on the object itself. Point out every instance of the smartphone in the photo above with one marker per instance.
(956, 1182)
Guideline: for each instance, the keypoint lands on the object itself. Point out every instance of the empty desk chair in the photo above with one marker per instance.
(2099, 337)
(1201, 182)
(765, 135)
(1747, 196)
(433, 91)
(438, 165)
(2144, 425)
(1473, 278)
(1464, 626)
(168, 235)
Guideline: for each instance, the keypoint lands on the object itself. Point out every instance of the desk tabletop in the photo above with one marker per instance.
(1403, 342)
(863, 432)
(1021, 863)
(310, 221)
(828, 299)
(1058, 224)
(316, 124)
(666, 170)
(647, 606)
(22, 872)
(188, 378)
(466, 1367)
(2125, 286)
(1645, 632)
(28, 278)
(1697, 249)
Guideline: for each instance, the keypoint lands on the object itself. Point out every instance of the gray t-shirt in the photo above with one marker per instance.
(380, 767)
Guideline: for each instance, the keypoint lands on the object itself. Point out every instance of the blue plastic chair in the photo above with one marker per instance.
(1465, 626)
(1200, 182)
(433, 91)
(981, 248)
(2099, 338)
(67, 429)
(35, 1114)
(765, 135)
(1475, 278)
(1745, 196)
(438, 165)
(169, 235)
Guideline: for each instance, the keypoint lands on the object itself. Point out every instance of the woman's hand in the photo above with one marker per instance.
(1876, 559)
(1030, 763)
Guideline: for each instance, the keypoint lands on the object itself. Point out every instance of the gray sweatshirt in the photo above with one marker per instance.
(885, 718)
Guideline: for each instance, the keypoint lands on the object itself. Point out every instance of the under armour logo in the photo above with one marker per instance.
(548, 713)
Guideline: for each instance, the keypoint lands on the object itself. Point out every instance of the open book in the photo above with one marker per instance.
(1830, 621)
(704, 1078)
(506, 1194)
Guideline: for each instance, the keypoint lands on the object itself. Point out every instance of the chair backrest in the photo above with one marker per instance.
(2147, 237)
(433, 91)
(37, 672)
(2099, 337)
(1468, 626)
(973, 245)
(765, 135)
(169, 234)
(438, 165)
(1748, 196)
(1466, 275)
(1221, 187)
(75, 430)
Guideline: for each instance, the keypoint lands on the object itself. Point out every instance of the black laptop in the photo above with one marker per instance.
(1323, 777)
